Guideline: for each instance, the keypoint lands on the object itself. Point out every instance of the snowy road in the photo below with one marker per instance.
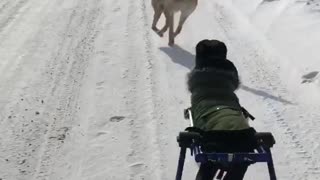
(88, 91)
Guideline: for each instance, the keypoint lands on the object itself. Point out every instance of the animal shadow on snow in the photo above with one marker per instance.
(265, 94)
(180, 56)
(183, 57)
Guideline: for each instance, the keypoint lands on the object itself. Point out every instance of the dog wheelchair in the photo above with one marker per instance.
(214, 147)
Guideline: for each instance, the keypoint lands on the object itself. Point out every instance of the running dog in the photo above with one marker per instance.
(169, 8)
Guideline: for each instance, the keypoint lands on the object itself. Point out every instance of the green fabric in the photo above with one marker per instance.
(218, 118)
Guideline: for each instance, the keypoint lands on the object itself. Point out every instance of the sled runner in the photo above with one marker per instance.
(214, 147)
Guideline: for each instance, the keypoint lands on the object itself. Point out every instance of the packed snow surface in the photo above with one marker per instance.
(89, 91)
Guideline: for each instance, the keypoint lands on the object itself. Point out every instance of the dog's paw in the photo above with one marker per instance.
(160, 33)
(171, 43)
(155, 29)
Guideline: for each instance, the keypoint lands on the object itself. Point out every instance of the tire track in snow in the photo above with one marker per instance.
(286, 136)
(4, 5)
(14, 63)
(98, 144)
(158, 89)
(166, 123)
(278, 111)
(10, 13)
(26, 91)
(67, 82)
(143, 158)
(266, 76)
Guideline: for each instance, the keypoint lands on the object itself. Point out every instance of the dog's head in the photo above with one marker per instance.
(209, 51)
(212, 68)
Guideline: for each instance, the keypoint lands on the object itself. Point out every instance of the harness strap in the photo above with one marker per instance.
(247, 114)
(242, 109)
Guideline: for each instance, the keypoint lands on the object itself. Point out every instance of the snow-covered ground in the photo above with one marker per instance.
(88, 91)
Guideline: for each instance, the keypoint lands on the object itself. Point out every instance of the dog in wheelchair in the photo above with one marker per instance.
(215, 106)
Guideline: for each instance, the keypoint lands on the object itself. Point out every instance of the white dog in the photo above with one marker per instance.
(169, 8)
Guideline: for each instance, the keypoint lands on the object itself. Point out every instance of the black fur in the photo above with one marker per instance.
(214, 77)
(210, 48)
(218, 74)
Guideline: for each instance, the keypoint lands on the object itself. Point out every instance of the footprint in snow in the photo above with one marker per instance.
(116, 9)
(100, 83)
(116, 118)
(310, 77)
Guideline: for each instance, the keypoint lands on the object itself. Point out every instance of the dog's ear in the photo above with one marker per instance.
(202, 46)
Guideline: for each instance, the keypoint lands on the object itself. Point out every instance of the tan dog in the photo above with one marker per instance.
(169, 8)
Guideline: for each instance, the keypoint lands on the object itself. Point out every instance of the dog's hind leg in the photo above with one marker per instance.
(167, 24)
(171, 27)
(183, 17)
(157, 13)
(164, 29)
